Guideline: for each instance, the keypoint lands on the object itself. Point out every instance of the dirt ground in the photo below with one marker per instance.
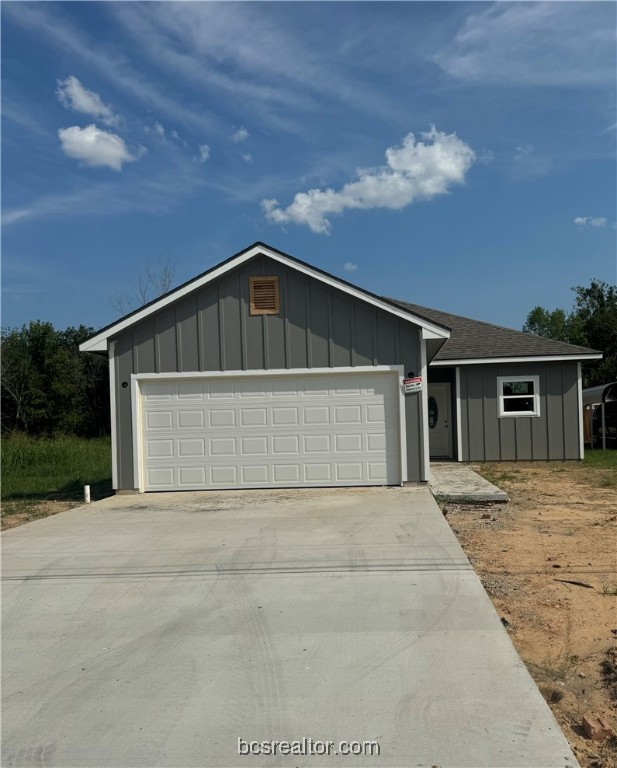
(16, 513)
(558, 528)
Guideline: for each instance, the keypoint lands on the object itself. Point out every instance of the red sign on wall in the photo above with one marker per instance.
(412, 385)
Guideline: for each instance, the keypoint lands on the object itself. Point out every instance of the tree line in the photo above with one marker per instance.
(592, 322)
(50, 388)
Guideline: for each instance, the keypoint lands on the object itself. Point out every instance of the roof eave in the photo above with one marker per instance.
(518, 359)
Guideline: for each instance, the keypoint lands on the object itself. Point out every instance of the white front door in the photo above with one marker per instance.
(271, 430)
(439, 420)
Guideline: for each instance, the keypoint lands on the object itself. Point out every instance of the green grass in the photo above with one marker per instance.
(600, 459)
(40, 469)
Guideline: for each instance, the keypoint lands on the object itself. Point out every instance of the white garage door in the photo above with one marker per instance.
(270, 431)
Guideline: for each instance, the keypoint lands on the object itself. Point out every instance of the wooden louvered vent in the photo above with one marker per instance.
(264, 295)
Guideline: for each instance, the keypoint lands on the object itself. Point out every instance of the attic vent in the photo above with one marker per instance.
(264, 295)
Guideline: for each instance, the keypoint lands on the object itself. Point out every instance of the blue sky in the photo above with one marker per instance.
(457, 155)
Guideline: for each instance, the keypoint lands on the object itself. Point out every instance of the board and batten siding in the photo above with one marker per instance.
(213, 330)
(554, 435)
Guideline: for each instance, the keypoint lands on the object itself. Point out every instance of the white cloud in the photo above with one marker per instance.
(204, 153)
(598, 222)
(240, 135)
(545, 43)
(95, 147)
(349, 266)
(417, 170)
(248, 158)
(73, 95)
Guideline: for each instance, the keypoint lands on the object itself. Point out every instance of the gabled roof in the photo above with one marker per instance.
(476, 341)
(98, 342)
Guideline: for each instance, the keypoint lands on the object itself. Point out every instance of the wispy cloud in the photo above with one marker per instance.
(73, 95)
(272, 67)
(204, 153)
(95, 147)
(240, 135)
(545, 43)
(248, 158)
(527, 164)
(349, 266)
(159, 194)
(596, 222)
(10, 217)
(16, 114)
(53, 28)
(417, 170)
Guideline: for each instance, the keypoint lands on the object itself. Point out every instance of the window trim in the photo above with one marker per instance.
(518, 414)
(253, 310)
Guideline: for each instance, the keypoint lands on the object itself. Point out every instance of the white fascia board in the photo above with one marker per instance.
(428, 334)
(426, 451)
(459, 433)
(526, 359)
(98, 343)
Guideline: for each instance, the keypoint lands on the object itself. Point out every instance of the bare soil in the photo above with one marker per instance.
(548, 560)
(16, 513)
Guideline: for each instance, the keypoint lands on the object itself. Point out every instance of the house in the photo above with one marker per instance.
(268, 372)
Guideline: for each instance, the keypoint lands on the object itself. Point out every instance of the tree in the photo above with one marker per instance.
(48, 387)
(591, 323)
(153, 281)
(552, 325)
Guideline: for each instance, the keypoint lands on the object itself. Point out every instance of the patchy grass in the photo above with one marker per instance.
(609, 671)
(495, 474)
(41, 476)
(557, 667)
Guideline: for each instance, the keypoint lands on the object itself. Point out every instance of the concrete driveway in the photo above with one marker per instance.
(157, 630)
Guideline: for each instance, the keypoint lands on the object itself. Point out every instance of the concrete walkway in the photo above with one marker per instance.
(155, 631)
(458, 482)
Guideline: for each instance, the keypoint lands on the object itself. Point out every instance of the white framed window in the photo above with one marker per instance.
(518, 396)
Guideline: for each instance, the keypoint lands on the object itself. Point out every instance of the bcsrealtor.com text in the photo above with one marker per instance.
(308, 747)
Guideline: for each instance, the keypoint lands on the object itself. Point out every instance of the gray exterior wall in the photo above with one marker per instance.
(212, 330)
(554, 435)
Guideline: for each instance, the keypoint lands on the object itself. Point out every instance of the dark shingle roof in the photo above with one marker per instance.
(473, 339)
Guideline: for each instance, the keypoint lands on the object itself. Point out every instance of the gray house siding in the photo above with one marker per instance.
(554, 435)
(212, 330)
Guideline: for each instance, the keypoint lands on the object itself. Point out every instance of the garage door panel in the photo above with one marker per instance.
(254, 446)
(317, 444)
(222, 417)
(254, 474)
(318, 473)
(194, 447)
(286, 444)
(224, 476)
(312, 430)
(190, 419)
(350, 442)
(223, 446)
(190, 476)
(316, 414)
